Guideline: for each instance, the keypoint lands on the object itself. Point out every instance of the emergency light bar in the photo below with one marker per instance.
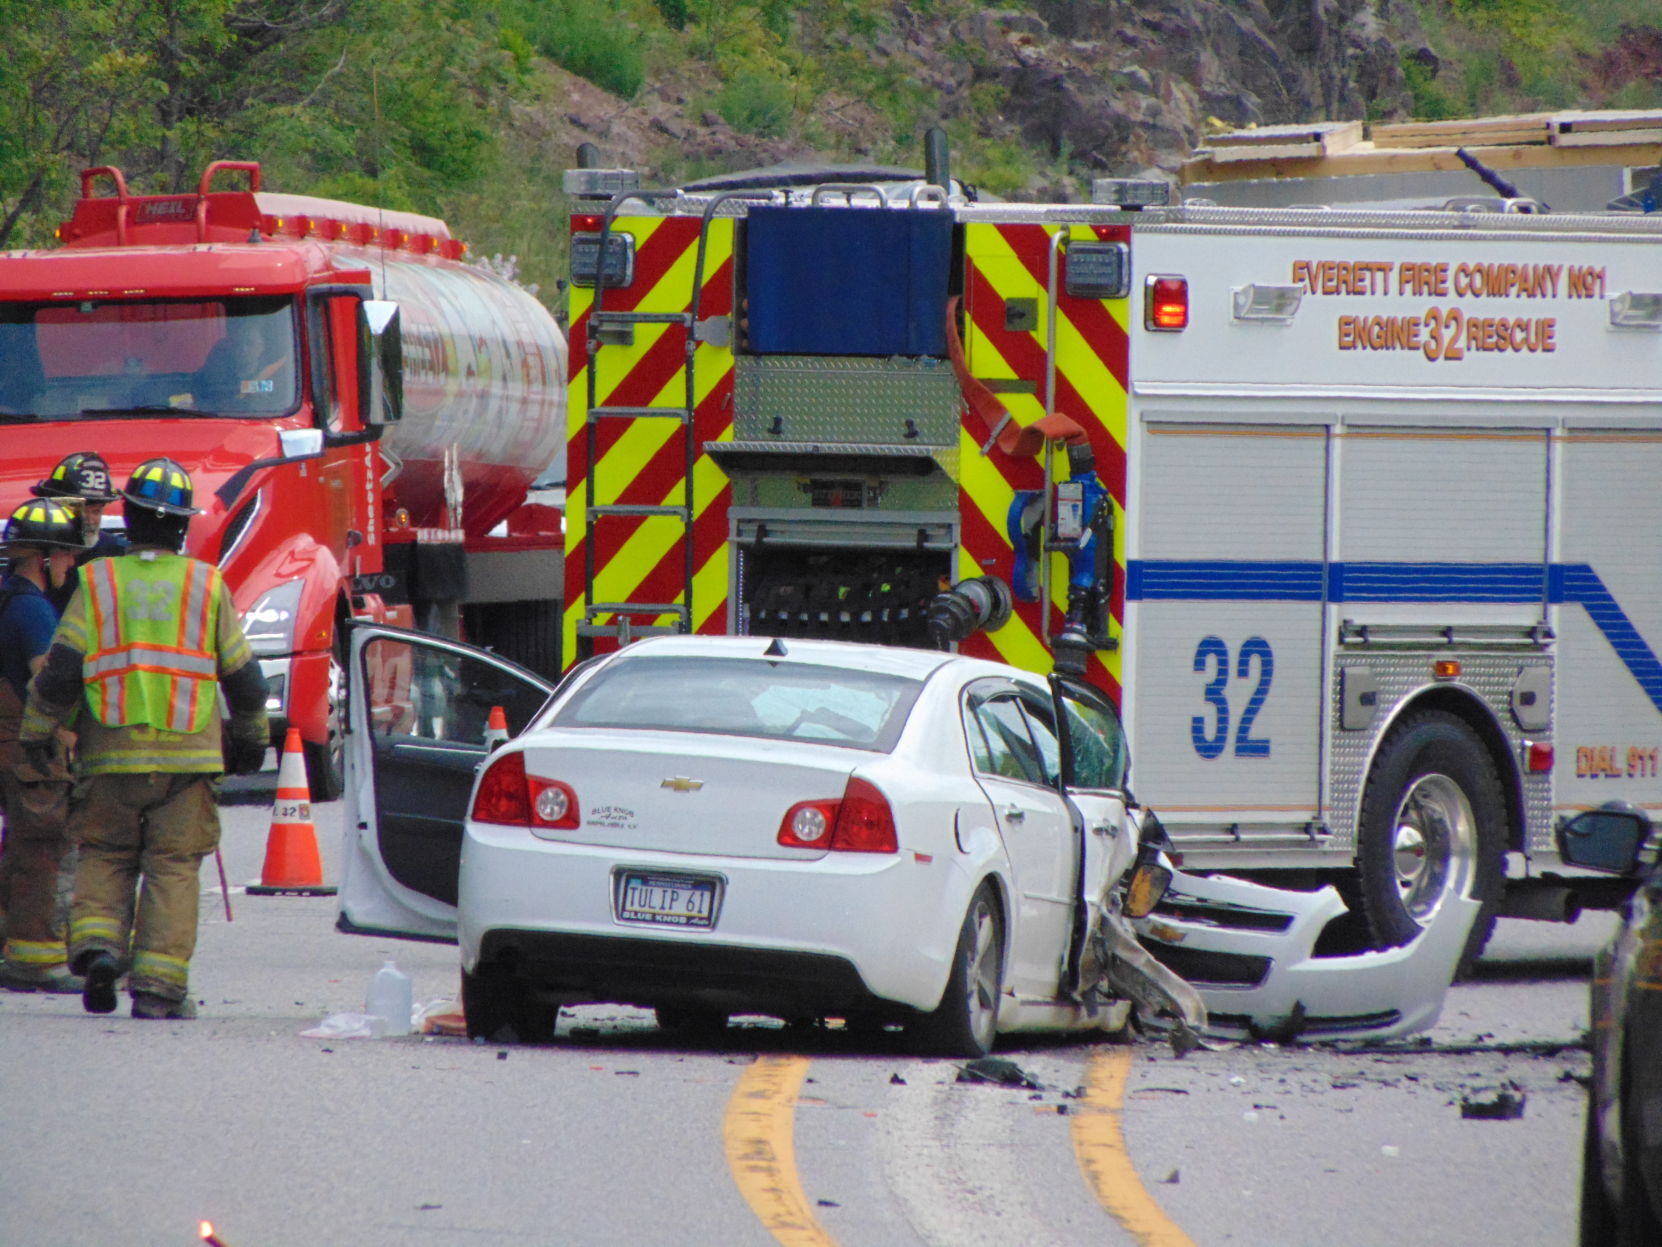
(599, 183)
(1635, 309)
(1131, 192)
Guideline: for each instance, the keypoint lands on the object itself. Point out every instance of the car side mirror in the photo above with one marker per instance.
(1607, 840)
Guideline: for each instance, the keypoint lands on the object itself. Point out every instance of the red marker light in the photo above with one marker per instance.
(1166, 303)
(1538, 757)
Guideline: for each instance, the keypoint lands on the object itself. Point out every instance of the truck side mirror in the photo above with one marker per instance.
(380, 363)
(1609, 840)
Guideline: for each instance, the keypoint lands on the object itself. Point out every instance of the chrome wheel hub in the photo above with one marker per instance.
(1433, 845)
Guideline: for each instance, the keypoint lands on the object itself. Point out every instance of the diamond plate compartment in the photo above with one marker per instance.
(796, 398)
(1399, 674)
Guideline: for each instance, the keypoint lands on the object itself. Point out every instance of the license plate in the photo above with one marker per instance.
(667, 900)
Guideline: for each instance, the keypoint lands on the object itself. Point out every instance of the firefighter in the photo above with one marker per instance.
(143, 645)
(41, 539)
(83, 479)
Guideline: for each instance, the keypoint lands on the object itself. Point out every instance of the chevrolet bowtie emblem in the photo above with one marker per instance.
(680, 783)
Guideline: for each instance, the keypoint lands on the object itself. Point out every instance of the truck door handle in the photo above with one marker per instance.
(1014, 814)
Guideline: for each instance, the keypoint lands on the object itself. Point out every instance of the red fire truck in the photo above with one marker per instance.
(374, 463)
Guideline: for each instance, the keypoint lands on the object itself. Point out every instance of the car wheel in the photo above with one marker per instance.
(485, 1001)
(326, 759)
(965, 1023)
(1433, 826)
(498, 1008)
(695, 1020)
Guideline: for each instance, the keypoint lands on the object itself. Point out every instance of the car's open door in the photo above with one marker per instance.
(1095, 762)
(418, 710)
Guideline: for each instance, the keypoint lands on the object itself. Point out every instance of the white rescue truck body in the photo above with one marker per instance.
(1347, 510)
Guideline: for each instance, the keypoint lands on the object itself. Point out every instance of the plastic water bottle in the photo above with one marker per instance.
(390, 1001)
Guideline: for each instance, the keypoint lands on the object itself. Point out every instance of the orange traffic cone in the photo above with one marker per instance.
(496, 728)
(292, 865)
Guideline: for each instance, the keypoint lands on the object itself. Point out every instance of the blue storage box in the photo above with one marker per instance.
(847, 281)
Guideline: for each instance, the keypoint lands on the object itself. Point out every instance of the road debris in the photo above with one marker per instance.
(1000, 1072)
(1505, 1104)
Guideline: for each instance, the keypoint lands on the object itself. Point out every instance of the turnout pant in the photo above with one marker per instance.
(36, 842)
(142, 840)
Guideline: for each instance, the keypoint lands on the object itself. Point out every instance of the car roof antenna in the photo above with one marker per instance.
(776, 650)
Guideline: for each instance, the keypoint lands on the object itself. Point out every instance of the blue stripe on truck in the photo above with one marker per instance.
(1574, 584)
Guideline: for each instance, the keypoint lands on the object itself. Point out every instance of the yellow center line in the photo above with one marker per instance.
(1100, 1149)
(758, 1136)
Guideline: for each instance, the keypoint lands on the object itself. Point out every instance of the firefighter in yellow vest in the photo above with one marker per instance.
(42, 539)
(147, 641)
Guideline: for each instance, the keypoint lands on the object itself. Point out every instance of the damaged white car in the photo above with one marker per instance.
(713, 826)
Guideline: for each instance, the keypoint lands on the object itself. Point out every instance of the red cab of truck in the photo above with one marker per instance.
(361, 411)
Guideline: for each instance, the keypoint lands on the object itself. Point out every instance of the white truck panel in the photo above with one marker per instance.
(1442, 525)
(1227, 631)
(1402, 308)
(1609, 620)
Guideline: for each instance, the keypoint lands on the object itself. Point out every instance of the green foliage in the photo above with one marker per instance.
(757, 104)
(600, 40)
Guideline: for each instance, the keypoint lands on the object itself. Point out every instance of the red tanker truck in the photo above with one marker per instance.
(362, 414)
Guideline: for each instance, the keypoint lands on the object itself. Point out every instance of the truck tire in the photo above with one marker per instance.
(326, 759)
(965, 1023)
(1433, 825)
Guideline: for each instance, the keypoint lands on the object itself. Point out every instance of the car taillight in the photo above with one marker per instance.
(510, 798)
(807, 825)
(865, 823)
(502, 796)
(861, 822)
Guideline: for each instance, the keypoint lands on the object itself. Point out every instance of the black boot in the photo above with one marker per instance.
(98, 996)
(159, 1008)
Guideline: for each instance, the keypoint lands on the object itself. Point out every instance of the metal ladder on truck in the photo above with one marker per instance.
(618, 328)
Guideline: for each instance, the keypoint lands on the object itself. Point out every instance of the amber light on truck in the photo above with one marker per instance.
(1166, 303)
(508, 797)
(862, 822)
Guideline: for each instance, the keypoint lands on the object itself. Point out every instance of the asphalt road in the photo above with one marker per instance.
(116, 1131)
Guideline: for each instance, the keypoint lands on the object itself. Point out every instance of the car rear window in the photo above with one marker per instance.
(745, 697)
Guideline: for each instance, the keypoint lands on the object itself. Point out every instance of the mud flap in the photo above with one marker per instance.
(1249, 950)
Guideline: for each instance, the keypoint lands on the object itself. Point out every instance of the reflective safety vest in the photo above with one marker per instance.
(151, 626)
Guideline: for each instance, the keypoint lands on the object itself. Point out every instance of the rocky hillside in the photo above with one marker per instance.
(1041, 97)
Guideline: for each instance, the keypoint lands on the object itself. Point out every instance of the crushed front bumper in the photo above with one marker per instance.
(1250, 951)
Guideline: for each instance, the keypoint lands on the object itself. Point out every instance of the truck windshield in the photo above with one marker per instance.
(101, 358)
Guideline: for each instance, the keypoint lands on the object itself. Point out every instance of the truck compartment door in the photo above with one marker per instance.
(1226, 705)
(418, 713)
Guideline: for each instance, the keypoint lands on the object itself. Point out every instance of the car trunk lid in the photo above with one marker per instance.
(678, 792)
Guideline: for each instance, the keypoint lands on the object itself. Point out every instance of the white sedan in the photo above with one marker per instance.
(718, 826)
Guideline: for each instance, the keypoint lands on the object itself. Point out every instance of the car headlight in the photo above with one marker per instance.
(269, 623)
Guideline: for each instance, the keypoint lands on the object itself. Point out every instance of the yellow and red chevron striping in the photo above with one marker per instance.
(1006, 263)
(643, 461)
(1025, 354)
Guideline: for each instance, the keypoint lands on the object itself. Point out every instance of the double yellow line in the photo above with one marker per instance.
(758, 1135)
